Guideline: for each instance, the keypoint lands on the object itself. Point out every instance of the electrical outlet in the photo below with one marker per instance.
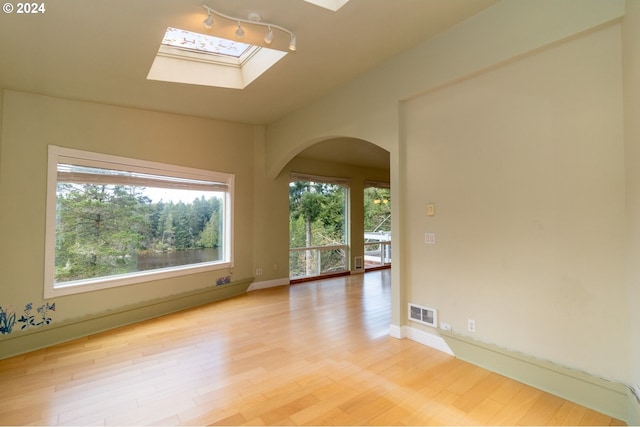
(258, 272)
(471, 325)
(445, 326)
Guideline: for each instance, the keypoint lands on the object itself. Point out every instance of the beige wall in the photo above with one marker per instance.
(31, 122)
(526, 168)
(571, 284)
(1, 107)
(271, 216)
(631, 70)
(367, 108)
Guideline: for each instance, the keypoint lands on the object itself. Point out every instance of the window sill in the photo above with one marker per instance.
(82, 286)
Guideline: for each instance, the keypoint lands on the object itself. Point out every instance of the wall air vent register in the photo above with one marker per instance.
(425, 315)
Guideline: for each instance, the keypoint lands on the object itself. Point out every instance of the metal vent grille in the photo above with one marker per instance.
(424, 315)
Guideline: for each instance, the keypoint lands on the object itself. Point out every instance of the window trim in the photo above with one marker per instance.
(58, 155)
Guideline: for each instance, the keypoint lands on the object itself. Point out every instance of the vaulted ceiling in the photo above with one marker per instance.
(102, 50)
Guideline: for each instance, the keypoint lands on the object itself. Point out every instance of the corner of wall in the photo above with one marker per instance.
(395, 331)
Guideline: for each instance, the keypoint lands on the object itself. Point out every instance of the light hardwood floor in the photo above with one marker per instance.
(316, 353)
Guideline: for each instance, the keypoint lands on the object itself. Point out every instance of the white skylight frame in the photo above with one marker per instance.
(333, 5)
(191, 63)
(202, 43)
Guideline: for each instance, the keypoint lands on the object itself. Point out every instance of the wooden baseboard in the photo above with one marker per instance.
(21, 342)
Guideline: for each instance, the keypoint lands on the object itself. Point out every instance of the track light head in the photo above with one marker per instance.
(208, 23)
(239, 31)
(268, 38)
(292, 43)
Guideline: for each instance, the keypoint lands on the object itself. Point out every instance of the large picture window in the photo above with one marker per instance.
(114, 221)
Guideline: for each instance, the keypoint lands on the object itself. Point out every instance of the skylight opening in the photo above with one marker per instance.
(194, 58)
(196, 42)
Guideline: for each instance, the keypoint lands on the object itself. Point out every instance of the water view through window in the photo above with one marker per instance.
(107, 229)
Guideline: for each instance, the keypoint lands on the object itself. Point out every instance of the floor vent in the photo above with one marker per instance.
(358, 262)
(425, 315)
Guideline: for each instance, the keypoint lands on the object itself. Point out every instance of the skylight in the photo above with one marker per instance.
(203, 43)
(194, 58)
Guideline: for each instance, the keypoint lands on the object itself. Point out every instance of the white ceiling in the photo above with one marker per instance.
(101, 50)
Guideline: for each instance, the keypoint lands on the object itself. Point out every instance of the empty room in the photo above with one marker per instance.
(320, 212)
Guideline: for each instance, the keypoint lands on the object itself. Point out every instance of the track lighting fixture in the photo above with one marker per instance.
(239, 31)
(254, 19)
(208, 23)
(292, 43)
(268, 38)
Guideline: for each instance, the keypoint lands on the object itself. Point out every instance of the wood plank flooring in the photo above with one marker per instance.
(316, 353)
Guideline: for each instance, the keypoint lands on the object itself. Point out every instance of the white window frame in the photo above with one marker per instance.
(62, 155)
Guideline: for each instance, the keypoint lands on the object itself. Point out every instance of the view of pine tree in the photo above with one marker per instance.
(210, 236)
(102, 229)
(321, 209)
(316, 218)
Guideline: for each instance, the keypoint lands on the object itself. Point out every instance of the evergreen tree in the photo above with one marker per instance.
(100, 229)
(320, 207)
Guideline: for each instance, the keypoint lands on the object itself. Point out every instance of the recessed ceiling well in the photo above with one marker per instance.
(193, 58)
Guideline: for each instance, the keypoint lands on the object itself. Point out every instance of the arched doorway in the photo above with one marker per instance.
(344, 163)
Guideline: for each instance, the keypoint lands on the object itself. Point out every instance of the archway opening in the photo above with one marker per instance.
(337, 168)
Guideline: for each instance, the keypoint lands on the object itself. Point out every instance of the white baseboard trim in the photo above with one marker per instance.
(268, 284)
(418, 335)
(396, 331)
(427, 338)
